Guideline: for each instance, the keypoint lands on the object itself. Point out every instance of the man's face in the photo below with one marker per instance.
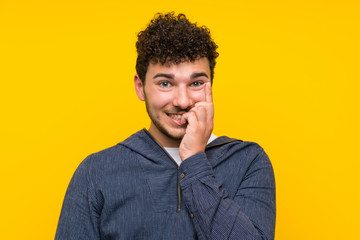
(171, 90)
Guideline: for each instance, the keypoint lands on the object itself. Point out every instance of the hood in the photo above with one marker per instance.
(143, 143)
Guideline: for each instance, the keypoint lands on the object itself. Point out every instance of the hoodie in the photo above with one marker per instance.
(135, 190)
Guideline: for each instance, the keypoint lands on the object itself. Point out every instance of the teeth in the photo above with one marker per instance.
(175, 116)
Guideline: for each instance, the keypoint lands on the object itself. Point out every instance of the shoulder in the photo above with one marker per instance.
(237, 159)
(253, 160)
(106, 161)
(116, 158)
(228, 146)
(108, 153)
(230, 153)
(109, 157)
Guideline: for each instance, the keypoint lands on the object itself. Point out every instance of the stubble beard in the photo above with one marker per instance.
(157, 122)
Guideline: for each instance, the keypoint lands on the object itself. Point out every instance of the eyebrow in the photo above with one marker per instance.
(164, 75)
(200, 74)
(171, 76)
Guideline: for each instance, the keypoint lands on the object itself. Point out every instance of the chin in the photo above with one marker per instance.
(175, 135)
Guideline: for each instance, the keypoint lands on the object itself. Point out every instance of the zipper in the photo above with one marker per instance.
(178, 180)
(177, 166)
(179, 195)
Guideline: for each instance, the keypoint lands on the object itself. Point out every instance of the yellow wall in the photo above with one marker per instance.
(287, 78)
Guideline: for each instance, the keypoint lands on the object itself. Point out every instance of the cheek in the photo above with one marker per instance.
(160, 99)
(198, 96)
(155, 98)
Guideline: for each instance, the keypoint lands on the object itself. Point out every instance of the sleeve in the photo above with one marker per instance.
(79, 218)
(249, 215)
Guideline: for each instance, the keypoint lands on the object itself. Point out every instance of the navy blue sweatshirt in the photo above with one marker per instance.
(135, 190)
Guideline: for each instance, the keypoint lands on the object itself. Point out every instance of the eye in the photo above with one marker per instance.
(197, 84)
(164, 84)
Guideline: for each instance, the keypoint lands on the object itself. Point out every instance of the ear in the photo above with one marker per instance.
(139, 88)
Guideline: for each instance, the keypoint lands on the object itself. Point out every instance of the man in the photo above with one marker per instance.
(175, 180)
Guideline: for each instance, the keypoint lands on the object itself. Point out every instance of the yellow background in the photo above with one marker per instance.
(287, 77)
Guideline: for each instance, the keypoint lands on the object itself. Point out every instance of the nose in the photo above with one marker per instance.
(182, 98)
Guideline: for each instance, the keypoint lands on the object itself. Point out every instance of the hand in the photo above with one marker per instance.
(199, 126)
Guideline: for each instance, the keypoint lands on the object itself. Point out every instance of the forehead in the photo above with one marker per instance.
(180, 70)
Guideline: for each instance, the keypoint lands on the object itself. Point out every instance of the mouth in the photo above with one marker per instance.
(175, 118)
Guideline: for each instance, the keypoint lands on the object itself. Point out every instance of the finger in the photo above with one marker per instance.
(210, 114)
(209, 107)
(201, 114)
(189, 118)
(208, 93)
(184, 118)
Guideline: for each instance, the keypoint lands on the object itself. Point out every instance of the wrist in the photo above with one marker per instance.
(186, 154)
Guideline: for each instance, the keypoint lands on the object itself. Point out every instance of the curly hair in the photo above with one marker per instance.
(173, 39)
